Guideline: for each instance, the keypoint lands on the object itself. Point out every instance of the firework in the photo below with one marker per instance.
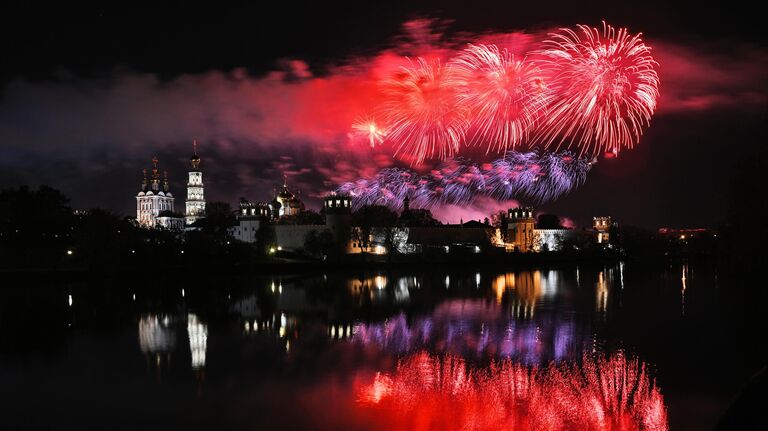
(605, 88)
(529, 175)
(445, 392)
(505, 96)
(421, 111)
(368, 129)
(587, 90)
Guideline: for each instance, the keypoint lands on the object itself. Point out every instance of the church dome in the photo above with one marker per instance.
(293, 202)
(285, 194)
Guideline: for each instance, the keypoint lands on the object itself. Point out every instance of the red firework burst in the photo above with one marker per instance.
(506, 96)
(605, 87)
(368, 129)
(421, 111)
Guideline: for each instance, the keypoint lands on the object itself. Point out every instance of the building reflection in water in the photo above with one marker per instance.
(527, 289)
(601, 293)
(373, 288)
(198, 340)
(518, 322)
(403, 289)
(340, 331)
(282, 326)
(477, 328)
(379, 289)
(157, 337)
(621, 275)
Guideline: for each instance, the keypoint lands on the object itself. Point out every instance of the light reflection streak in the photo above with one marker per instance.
(683, 281)
(601, 303)
(198, 340)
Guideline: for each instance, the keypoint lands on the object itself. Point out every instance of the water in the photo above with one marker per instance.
(433, 349)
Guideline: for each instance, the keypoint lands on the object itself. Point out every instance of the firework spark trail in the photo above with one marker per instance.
(506, 96)
(368, 129)
(529, 175)
(605, 89)
(445, 392)
(584, 89)
(587, 90)
(421, 112)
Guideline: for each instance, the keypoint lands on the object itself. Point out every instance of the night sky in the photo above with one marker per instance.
(89, 94)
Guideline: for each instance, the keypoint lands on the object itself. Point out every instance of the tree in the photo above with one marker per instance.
(418, 217)
(266, 238)
(219, 218)
(103, 239)
(370, 220)
(548, 221)
(320, 243)
(578, 241)
(35, 226)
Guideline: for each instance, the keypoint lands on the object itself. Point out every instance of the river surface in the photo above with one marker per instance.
(590, 347)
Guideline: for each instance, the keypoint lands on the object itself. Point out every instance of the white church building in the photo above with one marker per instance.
(155, 203)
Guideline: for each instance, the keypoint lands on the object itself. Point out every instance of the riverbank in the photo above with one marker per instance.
(287, 264)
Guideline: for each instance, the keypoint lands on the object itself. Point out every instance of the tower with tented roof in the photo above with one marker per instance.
(195, 205)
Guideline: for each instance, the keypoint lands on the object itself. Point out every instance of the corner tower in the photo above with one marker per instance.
(338, 215)
(520, 229)
(602, 227)
(195, 195)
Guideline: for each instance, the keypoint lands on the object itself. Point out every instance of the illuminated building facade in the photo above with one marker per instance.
(155, 203)
(195, 205)
(602, 227)
(520, 235)
(249, 219)
(291, 237)
(286, 203)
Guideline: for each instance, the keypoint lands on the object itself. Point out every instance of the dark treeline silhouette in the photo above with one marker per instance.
(40, 231)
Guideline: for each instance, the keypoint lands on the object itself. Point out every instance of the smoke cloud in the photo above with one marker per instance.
(91, 137)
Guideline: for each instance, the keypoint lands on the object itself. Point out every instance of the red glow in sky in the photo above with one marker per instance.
(294, 120)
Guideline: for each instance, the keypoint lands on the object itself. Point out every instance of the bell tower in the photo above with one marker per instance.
(195, 208)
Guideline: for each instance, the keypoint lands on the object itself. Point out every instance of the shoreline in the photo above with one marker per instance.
(300, 266)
